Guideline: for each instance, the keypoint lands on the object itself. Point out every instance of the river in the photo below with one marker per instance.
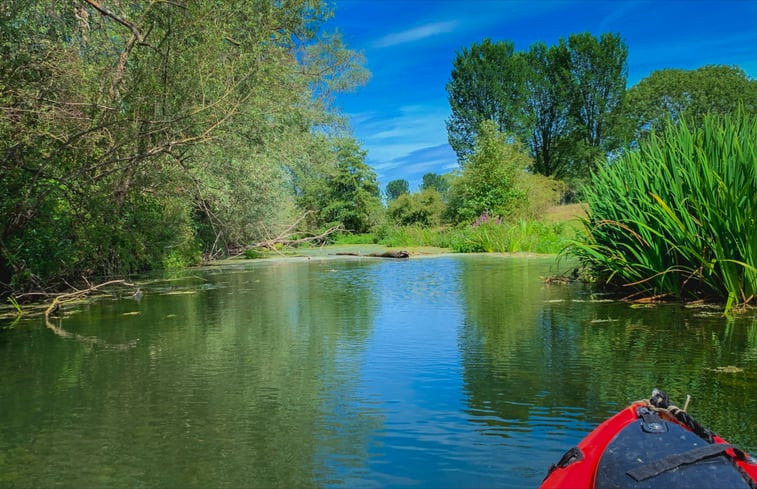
(451, 371)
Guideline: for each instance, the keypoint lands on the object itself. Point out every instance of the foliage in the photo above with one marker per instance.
(352, 195)
(541, 193)
(492, 235)
(489, 180)
(135, 134)
(353, 239)
(440, 183)
(562, 101)
(423, 208)
(486, 84)
(547, 122)
(688, 94)
(395, 188)
(598, 72)
(412, 236)
(678, 216)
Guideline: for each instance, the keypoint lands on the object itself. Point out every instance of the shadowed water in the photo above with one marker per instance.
(458, 371)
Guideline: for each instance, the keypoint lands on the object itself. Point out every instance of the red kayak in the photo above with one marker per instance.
(653, 444)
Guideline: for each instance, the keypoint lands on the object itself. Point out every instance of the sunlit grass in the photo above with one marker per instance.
(677, 217)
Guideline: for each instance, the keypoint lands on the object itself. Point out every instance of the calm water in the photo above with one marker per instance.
(442, 372)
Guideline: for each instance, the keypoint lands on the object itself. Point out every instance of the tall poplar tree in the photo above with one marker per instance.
(562, 101)
(598, 70)
(486, 83)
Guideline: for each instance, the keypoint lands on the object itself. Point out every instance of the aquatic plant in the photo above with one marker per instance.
(677, 217)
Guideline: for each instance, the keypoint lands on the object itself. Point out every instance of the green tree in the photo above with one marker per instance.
(547, 122)
(486, 84)
(688, 94)
(489, 182)
(597, 84)
(395, 188)
(440, 183)
(131, 130)
(562, 101)
(352, 195)
(423, 208)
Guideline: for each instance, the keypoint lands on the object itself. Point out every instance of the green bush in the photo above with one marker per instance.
(490, 177)
(678, 216)
(424, 208)
(491, 235)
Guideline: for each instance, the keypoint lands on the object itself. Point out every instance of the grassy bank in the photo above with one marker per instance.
(486, 235)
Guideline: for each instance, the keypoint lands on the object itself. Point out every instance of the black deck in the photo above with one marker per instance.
(633, 447)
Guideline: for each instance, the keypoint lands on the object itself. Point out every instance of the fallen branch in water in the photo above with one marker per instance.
(285, 237)
(61, 299)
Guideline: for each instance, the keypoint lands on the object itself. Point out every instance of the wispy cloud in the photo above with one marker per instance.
(436, 159)
(407, 142)
(415, 34)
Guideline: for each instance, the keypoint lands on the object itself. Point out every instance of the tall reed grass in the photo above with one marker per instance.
(677, 217)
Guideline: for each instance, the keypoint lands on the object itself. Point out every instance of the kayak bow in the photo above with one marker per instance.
(652, 444)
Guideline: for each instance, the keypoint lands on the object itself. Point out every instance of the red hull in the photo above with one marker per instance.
(581, 474)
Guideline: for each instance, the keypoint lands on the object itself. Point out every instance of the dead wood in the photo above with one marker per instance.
(385, 254)
(65, 297)
(285, 239)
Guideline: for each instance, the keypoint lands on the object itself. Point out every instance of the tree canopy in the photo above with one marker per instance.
(440, 183)
(486, 84)
(137, 134)
(688, 94)
(562, 101)
(395, 188)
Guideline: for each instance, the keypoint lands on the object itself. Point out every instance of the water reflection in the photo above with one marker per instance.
(236, 376)
(448, 372)
(545, 364)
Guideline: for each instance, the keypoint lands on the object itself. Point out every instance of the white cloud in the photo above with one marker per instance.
(415, 34)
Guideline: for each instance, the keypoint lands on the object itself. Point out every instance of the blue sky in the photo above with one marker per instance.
(409, 46)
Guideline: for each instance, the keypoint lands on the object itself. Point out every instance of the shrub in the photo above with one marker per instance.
(424, 208)
(492, 235)
(489, 179)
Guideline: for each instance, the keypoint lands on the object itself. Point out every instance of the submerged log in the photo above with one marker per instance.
(385, 254)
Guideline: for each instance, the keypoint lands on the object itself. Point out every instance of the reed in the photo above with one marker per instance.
(677, 216)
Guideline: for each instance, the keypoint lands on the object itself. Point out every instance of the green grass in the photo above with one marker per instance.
(678, 216)
(522, 236)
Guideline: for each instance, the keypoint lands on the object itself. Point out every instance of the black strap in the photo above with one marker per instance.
(671, 462)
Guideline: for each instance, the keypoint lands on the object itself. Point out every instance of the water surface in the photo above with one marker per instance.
(457, 371)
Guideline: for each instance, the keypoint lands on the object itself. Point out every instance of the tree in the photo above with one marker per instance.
(486, 84)
(562, 101)
(440, 183)
(489, 181)
(352, 194)
(547, 124)
(395, 188)
(132, 133)
(688, 94)
(597, 82)
(423, 208)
